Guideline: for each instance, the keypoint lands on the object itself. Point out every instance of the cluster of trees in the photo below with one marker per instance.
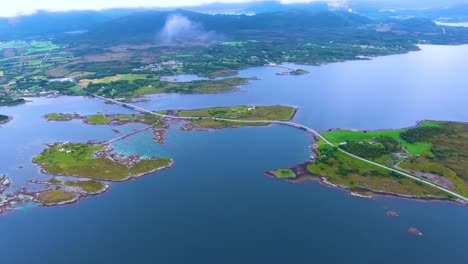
(381, 146)
(62, 87)
(422, 134)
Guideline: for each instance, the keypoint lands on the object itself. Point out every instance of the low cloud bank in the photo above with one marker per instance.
(179, 29)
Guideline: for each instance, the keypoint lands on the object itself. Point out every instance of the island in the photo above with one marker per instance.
(96, 162)
(293, 72)
(435, 152)
(4, 119)
(222, 117)
(60, 117)
(11, 101)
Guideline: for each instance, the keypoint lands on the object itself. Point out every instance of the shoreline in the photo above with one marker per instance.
(303, 175)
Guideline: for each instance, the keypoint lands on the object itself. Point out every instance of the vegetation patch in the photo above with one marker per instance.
(130, 77)
(54, 197)
(99, 119)
(299, 72)
(91, 186)
(283, 173)
(58, 117)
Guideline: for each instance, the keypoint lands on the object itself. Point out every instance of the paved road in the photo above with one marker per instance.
(291, 124)
(125, 136)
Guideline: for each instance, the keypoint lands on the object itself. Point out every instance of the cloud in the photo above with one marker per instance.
(179, 29)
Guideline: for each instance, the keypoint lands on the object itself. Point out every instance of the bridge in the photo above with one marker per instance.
(290, 124)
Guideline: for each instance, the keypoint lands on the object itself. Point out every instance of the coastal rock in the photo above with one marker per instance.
(6, 182)
(392, 213)
(414, 231)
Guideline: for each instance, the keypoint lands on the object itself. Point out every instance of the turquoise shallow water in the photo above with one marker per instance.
(216, 205)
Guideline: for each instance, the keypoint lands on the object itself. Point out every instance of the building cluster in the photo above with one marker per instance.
(161, 66)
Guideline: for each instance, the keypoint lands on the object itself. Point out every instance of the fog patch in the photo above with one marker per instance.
(179, 29)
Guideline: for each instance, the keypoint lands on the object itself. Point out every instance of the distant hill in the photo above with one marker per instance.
(187, 27)
(146, 25)
(43, 23)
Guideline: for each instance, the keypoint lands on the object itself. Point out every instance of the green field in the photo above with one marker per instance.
(130, 77)
(80, 161)
(339, 136)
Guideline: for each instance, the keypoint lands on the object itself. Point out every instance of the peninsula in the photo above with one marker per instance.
(426, 151)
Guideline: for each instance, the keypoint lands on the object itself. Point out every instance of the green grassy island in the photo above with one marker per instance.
(436, 152)
(81, 160)
(276, 112)
(56, 197)
(59, 117)
(299, 72)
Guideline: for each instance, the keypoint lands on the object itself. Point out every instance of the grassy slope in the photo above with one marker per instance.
(450, 156)
(444, 154)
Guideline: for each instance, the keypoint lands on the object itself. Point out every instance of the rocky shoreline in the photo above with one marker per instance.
(11, 201)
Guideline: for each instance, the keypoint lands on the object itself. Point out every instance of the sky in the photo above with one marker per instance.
(18, 7)
(10, 8)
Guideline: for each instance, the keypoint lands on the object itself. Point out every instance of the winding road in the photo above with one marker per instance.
(286, 123)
